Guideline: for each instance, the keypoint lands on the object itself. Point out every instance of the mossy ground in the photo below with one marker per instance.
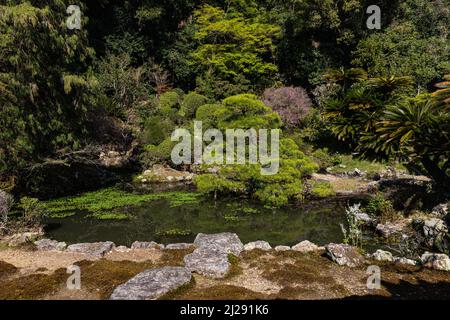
(174, 258)
(220, 292)
(104, 275)
(6, 269)
(31, 287)
(294, 275)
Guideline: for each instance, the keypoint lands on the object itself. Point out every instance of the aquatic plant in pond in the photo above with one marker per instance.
(102, 204)
(109, 216)
(160, 221)
(173, 232)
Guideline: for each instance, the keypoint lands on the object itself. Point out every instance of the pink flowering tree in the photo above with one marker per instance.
(291, 103)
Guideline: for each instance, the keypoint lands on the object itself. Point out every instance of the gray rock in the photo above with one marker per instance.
(406, 261)
(434, 226)
(436, 261)
(229, 242)
(282, 248)
(50, 245)
(364, 219)
(21, 238)
(121, 249)
(92, 249)
(211, 261)
(440, 211)
(179, 246)
(381, 255)
(261, 245)
(146, 245)
(436, 234)
(306, 246)
(389, 230)
(344, 255)
(152, 284)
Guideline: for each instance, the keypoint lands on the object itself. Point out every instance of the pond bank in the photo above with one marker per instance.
(253, 274)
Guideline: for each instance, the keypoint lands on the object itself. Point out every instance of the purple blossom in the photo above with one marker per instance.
(291, 103)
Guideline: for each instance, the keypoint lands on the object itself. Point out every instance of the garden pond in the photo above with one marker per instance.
(170, 217)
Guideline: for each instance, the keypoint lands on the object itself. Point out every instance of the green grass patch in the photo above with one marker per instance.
(349, 163)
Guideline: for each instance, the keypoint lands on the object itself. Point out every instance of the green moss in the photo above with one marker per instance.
(172, 295)
(103, 276)
(174, 258)
(32, 287)
(235, 268)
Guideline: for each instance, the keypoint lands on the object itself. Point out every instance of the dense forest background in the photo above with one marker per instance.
(138, 69)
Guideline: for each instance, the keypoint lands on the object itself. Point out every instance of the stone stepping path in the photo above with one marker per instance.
(96, 249)
(152, 284)
(226, 241)
(211, 261)
(211, 256)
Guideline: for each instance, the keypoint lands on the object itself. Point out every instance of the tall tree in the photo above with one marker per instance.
(44, 87)
(234, 48)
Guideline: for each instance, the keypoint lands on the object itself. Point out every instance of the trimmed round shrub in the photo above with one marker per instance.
(191, 102)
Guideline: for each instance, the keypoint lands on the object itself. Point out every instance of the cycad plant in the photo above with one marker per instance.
(442, 96)
(418, 132)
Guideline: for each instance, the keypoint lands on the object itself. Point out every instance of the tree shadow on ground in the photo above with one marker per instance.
(404, 290)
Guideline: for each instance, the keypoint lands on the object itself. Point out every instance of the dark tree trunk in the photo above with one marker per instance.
(436, 173)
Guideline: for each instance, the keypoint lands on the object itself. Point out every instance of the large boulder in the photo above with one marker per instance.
(50, 245)
(228, 242)
(96, 249)
(381, 255)
(306, 246)
(160, 173)
(261, 245)
(344, 255)
(210, 261)
(436, 261)
(152, 284)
